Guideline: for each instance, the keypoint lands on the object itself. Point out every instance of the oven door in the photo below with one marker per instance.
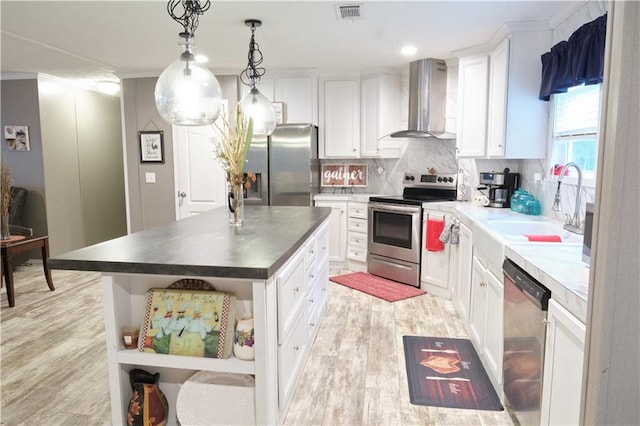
(394, 231)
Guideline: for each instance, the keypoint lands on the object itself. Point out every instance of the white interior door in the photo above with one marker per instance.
(200, 180)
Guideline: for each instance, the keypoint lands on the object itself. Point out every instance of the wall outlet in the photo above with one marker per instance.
(481, 200)
(150, 177)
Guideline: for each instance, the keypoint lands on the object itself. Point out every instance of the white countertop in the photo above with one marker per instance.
(330, 196)
(560, 269)
(558, 266)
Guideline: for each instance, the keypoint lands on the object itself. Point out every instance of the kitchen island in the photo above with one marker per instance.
(276, 265)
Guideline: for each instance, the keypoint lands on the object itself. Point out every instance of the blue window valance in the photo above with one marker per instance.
(575, 61)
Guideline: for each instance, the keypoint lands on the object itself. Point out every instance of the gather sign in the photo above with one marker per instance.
(344, 174)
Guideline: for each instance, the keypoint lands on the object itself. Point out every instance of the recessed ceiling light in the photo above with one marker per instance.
(409, 50)
(201, 59)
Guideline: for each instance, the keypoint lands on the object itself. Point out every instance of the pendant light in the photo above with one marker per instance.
(254, 104)
(187, 93)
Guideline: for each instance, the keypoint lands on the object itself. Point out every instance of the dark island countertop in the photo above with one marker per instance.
(205, 245)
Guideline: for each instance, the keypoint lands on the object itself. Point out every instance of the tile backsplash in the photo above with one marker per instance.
(385, 175)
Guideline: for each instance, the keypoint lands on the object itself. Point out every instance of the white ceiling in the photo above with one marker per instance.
(103, 40)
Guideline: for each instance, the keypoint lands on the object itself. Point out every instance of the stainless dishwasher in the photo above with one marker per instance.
(525, 318)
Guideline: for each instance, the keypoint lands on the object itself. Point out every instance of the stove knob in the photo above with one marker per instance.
(439, 179)
(450, 179)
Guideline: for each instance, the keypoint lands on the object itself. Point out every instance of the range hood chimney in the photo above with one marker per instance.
(427, 100)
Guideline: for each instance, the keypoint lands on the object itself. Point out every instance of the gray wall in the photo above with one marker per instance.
(83, 165)
(153, 204)
(20, 107)
(101, 166)
(74, 171)
(149, 204)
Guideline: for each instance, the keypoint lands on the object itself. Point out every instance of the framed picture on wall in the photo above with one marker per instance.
(17, 138)
(151, 146)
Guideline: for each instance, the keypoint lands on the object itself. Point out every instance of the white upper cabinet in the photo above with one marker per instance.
(518, 120)
(357, 114)
(298, 93)
(379, 115)
(498, 79)
(340, 134)
(510, 119)
(472, 106)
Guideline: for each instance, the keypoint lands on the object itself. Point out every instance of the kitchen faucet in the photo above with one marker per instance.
(573, 223)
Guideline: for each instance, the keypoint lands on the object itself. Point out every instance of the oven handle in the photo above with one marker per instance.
(395, 208)
(395, 265)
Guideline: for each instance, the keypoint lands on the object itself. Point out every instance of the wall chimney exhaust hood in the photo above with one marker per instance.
(427, 100)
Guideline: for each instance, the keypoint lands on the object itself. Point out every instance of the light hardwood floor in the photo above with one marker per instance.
(53, 358)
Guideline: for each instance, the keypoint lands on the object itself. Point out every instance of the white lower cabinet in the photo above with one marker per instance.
(337, 229)
(291, 285)
(486, 319)
(434, 265)
(290, 358)
(563, 365)
(357, 229)
(461, 283)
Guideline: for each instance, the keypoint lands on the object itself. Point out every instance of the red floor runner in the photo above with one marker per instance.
(382, 288)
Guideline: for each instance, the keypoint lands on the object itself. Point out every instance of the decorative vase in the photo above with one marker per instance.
(243, 340)
(4, 228)
(235, 198)
(148, 405)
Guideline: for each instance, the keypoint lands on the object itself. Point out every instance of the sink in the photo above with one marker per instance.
(490, 236)
(515, 231)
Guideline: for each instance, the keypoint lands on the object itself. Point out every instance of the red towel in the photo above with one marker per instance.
(544, 238)
(432, 239)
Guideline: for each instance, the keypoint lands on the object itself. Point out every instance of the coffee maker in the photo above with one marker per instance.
(500, 187)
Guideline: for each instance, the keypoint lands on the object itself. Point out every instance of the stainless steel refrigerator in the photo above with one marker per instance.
(286, 167)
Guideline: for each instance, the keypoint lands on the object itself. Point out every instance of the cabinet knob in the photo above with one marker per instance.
(297, 289)
(296, 348)
(354, 150)
(312, 324)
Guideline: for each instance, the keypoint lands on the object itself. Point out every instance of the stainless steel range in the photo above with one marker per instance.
(395, 224)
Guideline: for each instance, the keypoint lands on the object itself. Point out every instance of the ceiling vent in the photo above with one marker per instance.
(349, 12)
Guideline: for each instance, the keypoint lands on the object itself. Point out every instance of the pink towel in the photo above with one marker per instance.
(544, 238)
(432, 239)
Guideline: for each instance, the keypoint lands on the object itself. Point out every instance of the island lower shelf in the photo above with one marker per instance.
(228, 365)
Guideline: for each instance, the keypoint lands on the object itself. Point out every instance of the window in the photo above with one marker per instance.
(574, 136)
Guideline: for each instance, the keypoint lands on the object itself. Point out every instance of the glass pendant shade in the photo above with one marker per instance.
(257, 106)
(187, 93)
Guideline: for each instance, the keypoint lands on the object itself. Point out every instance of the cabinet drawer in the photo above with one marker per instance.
(357, 224)
(310, 251)
(322, 243)
(357, 253)
(357, 239)
(291, 288)
(290, 356)
(358, 210)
